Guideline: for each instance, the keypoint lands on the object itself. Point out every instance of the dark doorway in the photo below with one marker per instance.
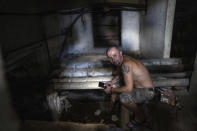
(184, 31)
(106, 28)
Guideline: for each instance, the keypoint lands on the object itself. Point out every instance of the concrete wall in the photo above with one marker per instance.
(155, 34)
(146, 34)
(130, 31)
(153, 29)
(81, 41)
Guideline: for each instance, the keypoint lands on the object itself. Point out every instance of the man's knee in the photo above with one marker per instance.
(122, 100)
(125, 101)
(126, 98)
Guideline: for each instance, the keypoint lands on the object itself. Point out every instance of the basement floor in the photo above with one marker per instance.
(164, 118)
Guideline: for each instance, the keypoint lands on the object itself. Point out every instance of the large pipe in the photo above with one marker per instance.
(85, 95)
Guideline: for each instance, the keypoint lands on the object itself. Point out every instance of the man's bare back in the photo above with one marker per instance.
(141, 77)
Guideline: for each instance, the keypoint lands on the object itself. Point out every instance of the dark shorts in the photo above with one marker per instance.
(138, 95)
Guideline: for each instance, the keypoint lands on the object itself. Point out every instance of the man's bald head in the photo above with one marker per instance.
(114, 55)
(112, 47)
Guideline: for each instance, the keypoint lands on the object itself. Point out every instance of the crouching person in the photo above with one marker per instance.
(137, 84)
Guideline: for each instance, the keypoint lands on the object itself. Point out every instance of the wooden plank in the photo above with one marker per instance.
(94, 85)
(107, 42)
(102, 61)
(83, 72)
(76, 85)
(172, 75)
(107, 37)
(107, 31)
(170, 68)
(171, 82)
(108, 78)
(85, 79)
(165, 61)
(100, 20)
(166, 71)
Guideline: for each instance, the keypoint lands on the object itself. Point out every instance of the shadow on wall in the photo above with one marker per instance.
(80, 38)
(8, 119)
(153, 29)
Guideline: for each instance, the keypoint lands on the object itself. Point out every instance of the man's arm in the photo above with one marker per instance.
(111, 84)
(128, 79)
(115, 80)
(116, 75)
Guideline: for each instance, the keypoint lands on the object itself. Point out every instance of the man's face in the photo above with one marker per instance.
(115, 56)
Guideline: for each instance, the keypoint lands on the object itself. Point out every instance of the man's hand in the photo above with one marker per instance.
(109, 84)
(108, 90)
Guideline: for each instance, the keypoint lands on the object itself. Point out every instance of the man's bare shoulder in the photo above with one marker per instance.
(132, 61)
(128, 60)
(126, 65)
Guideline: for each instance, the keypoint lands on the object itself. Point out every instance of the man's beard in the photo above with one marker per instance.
(117, 63)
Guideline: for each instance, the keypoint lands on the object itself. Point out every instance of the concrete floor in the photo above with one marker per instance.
(61, 126)
(164, 118)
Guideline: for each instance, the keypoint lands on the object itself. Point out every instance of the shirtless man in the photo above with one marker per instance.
(138, 86)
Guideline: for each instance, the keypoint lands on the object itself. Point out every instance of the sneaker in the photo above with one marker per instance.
(134, 124)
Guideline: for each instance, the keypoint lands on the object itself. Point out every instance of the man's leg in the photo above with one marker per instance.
(139, 115)
(129, 100)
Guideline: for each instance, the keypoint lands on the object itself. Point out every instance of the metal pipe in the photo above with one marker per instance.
(48, 52)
